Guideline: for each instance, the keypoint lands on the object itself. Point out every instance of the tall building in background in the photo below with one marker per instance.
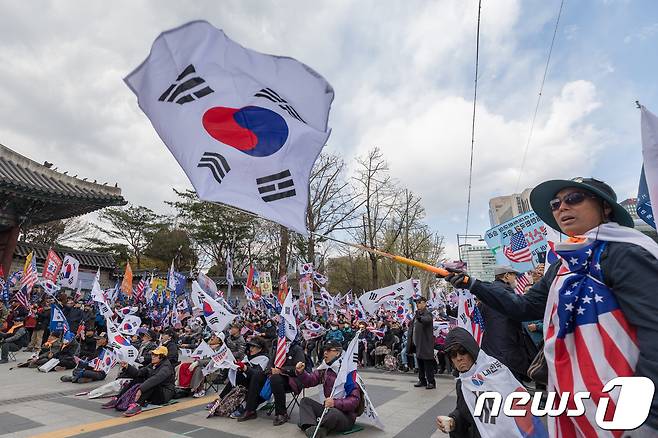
(630, 205)
(479, 260)
(504, 208)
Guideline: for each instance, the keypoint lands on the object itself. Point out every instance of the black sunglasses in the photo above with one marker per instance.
(458, 351)
(573, 198)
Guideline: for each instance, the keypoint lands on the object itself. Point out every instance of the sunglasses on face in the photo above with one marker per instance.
(573, 198)
(459, 351)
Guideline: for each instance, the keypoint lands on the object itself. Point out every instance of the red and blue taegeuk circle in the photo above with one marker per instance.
(477, 379)
(121, 340)
(207, 309)
(256, 131)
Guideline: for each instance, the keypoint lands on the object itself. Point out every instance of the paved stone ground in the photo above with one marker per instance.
(33, 403)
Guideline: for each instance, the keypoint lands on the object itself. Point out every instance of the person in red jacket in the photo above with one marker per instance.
(341, 414)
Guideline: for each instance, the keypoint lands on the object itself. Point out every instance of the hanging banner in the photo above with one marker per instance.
(51, 267)
(265, 283)
(518, 242)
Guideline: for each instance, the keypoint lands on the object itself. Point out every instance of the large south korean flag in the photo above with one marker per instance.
(246, 127)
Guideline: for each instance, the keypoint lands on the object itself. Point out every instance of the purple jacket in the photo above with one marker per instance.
(327, 377)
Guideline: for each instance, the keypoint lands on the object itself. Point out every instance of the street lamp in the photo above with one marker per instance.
(465, 238)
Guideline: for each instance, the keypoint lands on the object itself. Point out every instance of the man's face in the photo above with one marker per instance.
(578, 218)
(330, 355)
(510, 278)
(421, 305)
(156, 359)
(234, 331)
(461, 359)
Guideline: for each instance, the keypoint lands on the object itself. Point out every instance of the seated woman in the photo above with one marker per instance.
(153, 383)
(342, 412)
(148, 344)
(252, 375)
(198, 380)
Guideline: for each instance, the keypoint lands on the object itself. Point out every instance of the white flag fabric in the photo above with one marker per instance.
(245, 127)
(468, 315)
(203, 350)
(130, 324)
(369, 413)
(288, 313)
(373, 299)
(346, 375)
(489, 374)
(98, 296)
(217, 316)
(229, 270)
(105, 361)
(124, 350)
(649, 126)
(207, 285)
(68, 276)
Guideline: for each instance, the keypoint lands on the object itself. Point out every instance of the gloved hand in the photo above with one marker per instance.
(457, 277)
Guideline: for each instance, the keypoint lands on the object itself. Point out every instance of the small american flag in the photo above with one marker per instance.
(29, 278)
(522, 281)
(518, 251)
(477, 323)
(139, 291)
(23, 298)
(281, 345)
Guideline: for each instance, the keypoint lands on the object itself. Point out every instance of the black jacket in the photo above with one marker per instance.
(631, 273)
(294, 356)
(421, 335)
(504, 337)
(161, 374)
(465, 426)
(172, 352)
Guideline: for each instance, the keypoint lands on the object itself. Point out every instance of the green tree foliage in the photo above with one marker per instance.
(133, 226)
(169, 244)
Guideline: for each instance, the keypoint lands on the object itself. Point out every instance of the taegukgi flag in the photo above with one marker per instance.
(245, 127)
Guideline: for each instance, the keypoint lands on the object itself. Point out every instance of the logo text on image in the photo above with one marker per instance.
(632, 407)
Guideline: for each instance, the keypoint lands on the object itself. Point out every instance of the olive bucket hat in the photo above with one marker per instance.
(544, 193)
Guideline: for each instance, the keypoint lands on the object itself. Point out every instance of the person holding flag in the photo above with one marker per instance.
(597, 299)
(336, 414)
(421, 342)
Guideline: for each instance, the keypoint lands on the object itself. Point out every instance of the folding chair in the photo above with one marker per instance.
(214, 384)
(291, 404)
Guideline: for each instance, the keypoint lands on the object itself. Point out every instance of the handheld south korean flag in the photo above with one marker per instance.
(245, 127)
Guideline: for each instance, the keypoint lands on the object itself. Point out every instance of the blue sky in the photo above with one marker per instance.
(402, 72)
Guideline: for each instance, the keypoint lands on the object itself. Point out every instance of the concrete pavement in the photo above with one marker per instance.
(33, 403)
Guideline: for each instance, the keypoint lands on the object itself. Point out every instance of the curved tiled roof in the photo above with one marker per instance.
(37, 188)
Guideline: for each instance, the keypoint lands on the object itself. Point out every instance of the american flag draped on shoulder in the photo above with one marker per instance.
(589, 341)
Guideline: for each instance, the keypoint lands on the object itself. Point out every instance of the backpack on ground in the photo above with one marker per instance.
(231, 402)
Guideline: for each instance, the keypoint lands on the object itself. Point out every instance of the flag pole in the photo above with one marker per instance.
(405, 261)
(320, 421)
(399, 259)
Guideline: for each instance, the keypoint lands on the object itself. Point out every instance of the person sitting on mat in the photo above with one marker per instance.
(341, 412)
(154, 382)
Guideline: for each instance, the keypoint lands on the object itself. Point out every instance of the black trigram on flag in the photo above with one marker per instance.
(271, 95)
(277, 186)
(187, 88)
(217, 165)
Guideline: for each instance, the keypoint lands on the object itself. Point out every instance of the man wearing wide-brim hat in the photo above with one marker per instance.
(597, 299)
